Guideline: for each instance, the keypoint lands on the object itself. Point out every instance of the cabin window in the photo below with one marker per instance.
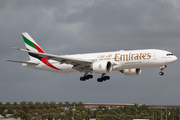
(170, 54)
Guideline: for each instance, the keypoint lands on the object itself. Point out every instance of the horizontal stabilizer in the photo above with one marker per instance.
(62, 59)
(27, 62)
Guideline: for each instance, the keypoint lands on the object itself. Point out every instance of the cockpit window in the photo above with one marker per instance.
(170, 54)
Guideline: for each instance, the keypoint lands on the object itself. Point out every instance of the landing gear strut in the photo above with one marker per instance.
(86, 77)
(162, 68)
(103, 78)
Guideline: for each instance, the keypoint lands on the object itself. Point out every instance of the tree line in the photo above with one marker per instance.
(70, 111)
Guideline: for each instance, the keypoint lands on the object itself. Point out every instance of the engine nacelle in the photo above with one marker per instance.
(102, 67)
(131, 72)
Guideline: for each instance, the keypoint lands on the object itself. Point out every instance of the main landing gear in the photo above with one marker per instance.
(162, 68)
(89, 76)
(103, 78)
(86, 77)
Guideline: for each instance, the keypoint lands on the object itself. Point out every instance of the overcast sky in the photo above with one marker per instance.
(85, 26)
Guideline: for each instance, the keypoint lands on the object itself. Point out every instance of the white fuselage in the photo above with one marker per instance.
(147, 58)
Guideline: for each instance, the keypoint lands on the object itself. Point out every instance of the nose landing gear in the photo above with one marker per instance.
(162, 68)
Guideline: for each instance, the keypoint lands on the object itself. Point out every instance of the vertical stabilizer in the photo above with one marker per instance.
(31, 45)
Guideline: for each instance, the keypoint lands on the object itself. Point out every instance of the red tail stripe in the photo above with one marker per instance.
(38, 48)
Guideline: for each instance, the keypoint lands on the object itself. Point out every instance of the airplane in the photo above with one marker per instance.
(128, 62)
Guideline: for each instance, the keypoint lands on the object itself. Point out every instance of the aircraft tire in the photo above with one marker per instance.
(82, 78)
(161, 73)
(99, 80)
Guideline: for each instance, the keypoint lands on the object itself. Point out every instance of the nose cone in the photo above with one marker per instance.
(175, 58)
(171, 59)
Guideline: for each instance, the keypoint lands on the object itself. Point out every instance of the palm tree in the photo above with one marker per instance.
(50, 117)
(178, 113)
(22, 104)
(144, 115)
(135, 109)
(46, 105)
(10, 109)
(56, 116)
(60, 104)
(53, 104)
(8, 103)
(52, 110)
(15, 105)
(74, 103)
(80, 103)
(28, 117)
(26, 108)
(79, 117)
(21, 114)
(157, 114)
(30, 103)
(120, 116)
(44, 117)
(62, 116)
(89, 112)
(67, 103)
(172, 113)
(99, 114)
(16, 115)
(59, 110)
(128, 117)
(83, 113)
(38, 105)
(69, 114)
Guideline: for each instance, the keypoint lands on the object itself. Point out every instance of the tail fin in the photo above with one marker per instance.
(31, 45)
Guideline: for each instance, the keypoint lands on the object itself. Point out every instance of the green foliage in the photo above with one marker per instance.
(16, 115)
(1, 103)
(64, 111)
(44, 117)
(50, 116)
(62, 116)
(22, 114)
(28, 117)
(56, 116)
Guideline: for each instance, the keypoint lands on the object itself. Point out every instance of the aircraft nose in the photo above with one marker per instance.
(175, 58)
(172, 59)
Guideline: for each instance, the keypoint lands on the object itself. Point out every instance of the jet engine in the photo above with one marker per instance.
(102, 67)
(131, 72)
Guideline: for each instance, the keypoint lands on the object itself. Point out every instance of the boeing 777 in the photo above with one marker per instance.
(129, 62)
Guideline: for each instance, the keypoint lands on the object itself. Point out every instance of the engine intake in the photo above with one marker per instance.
(102, 67)
(131, 72)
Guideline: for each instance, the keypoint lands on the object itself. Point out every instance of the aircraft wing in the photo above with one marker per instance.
(79, 64)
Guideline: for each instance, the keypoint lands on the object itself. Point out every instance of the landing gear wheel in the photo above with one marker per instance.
(99, 80)
(90, 76)
(82, 79)
(107, 77)
(161, 73)
(86, 77)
